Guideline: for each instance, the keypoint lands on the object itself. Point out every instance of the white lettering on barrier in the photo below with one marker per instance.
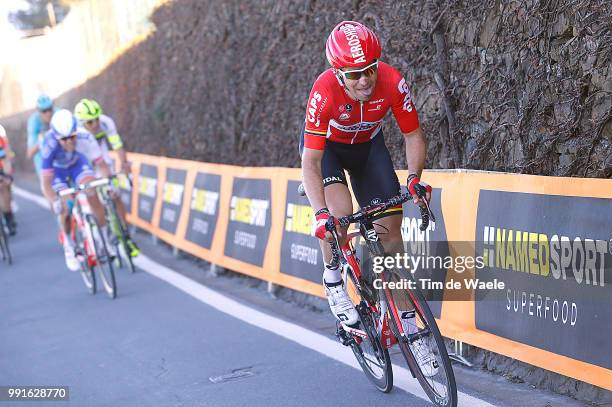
(415, 237)
(541, 306)
(147, 186)
(200, 226)
(204, 201)
(245, 239)
(145, 206)
(173, 193)
(249, 211)
(169, 215)
(538, 254)
(304, 254)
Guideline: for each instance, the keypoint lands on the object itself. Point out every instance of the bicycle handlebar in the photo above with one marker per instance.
(373, 210)
(81, 187)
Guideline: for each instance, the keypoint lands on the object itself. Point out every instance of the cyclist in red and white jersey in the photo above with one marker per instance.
(343, 131)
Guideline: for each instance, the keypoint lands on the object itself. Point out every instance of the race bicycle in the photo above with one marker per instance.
(90, 245)
(390, 316)
(117, 226)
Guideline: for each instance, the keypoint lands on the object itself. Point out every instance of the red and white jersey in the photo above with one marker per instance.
(332, 115)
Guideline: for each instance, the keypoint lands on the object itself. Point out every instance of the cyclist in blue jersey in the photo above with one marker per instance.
(38, 125)
(67, 157)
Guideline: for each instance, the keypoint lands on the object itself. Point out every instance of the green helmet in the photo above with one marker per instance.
(87, 109)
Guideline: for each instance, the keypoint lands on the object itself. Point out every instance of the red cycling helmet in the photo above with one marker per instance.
(352, 45)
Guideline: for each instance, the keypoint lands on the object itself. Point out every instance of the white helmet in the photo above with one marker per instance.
(2, 132)
(63, 123)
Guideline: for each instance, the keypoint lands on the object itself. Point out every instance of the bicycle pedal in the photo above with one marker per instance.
(344, 337)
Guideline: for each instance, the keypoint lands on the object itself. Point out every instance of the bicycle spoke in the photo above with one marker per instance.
(419, 343)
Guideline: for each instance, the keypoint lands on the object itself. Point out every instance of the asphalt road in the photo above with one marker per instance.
(155, 345)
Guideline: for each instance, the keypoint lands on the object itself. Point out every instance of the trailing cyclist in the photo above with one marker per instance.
(343, 131)
(6, 179)
(66, 156)
(102, 127)
(38, 125)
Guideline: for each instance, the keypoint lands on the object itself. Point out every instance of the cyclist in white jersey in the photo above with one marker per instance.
(102, 127)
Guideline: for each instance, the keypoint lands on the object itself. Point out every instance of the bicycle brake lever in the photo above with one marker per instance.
(431, 214)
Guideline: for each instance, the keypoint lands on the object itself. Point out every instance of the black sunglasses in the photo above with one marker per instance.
(46, 110)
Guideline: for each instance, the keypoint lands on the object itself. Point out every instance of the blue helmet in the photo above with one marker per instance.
(44, 102)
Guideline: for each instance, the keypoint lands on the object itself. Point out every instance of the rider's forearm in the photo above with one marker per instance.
(31, 151)
(104, 170)
(8, 167)
(313, 183)
(45, 186)
(416, 150)
(123, 159)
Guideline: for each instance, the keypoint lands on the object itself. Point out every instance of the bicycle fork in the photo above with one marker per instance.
(350, 264)
(88, 237)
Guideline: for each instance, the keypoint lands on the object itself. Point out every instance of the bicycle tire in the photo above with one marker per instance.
(103, 259)
(430, 327)
(122, 247)
(87, 273)
(125, 248)
(4, 243)
(384, 383)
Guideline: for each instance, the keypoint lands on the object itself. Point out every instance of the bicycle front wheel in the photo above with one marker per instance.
(372, 356)
(103, 259)
(420, 341)
(80, 251)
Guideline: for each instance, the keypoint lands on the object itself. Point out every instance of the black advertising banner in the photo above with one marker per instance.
(147, 192)
(125, 186)
(550, 257)
(204, 209)
(300, 251)
(249, 221)
(172, 199)
(428, 250)
(125, 189)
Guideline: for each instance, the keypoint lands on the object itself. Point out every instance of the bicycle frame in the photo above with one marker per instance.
(80, 209)
(348, 257)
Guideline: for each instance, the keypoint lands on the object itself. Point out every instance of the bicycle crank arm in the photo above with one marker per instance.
(355, 331)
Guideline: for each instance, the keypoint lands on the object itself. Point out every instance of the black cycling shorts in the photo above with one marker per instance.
(369, 166)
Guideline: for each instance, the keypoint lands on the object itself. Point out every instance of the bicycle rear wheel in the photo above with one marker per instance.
(103, 259)
(120, 231)
(86, 271)
(421, 339)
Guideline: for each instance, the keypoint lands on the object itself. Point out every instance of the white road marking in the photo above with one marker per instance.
(37, 199)
(295, 333)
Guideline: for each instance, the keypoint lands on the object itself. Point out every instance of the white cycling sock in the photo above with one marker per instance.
(331, 276)
(67, 240)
